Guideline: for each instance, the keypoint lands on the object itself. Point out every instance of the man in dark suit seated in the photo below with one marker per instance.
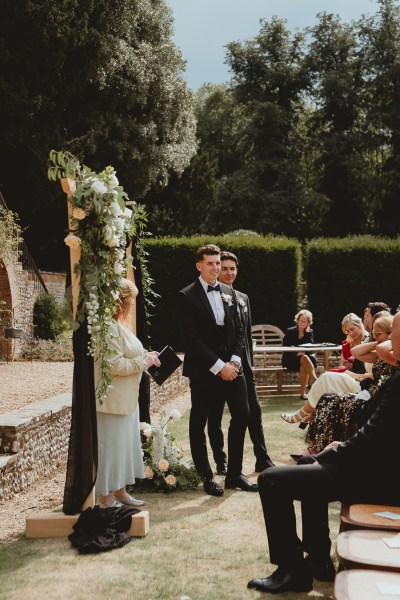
(362, 469)
(213, 341)
(228, 274)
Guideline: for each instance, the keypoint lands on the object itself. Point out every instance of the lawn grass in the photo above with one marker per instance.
(198, 546)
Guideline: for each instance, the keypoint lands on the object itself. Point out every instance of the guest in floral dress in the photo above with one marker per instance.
(338, 416)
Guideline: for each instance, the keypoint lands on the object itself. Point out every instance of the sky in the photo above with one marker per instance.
(204, 27)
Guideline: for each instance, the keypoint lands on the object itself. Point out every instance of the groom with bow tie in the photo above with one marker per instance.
(214, 340)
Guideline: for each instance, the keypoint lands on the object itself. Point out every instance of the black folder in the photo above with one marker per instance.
(169, 363)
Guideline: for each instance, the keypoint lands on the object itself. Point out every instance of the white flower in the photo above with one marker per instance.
(78, 213)
(241, 301)
(98, 187)
(113, 180)
(147, 432)
(144, 425)
(226, 297)
(72, 241)
(149, 472)
(175, 415)
(115, 209)
(113, 242)
(163, 464)
(170, 479)
(118, 268)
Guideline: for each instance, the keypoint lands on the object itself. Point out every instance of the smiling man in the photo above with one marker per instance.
(228, 274)
(213, 342)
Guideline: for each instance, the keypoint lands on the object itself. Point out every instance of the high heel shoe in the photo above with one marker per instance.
(301, 416)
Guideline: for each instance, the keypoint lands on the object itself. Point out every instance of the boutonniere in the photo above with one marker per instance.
(226, 297)
(241, 301)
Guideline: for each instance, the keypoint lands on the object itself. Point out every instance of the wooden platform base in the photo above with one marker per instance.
(56, 524)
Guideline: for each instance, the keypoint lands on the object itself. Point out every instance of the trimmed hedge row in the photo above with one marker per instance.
(343, 275)
(269, 272)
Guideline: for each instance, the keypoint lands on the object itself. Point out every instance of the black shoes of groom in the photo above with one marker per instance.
(283, 581)
(212, 488)
(240, 482)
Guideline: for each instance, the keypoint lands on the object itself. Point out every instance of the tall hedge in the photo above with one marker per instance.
(269, 271)
(343, 275)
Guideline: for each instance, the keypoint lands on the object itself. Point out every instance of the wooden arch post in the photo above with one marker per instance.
(56, 524)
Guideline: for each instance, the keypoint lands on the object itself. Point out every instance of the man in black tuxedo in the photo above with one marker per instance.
(213, 340)
(362, 469)
(228, 274)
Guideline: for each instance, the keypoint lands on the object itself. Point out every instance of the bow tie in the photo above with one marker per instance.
(217, 288)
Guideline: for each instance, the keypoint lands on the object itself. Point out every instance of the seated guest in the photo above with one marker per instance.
(340, 382)
(304, 362)
(360, 470)
(371, 310)
(338, 416)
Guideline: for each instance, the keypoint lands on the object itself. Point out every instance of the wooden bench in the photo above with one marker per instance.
(266, 365)
(359, 584)
(365, 549)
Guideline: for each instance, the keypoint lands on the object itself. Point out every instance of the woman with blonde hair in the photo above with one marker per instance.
(303, 362)
(120, 455)
(338, 416)
(343, 380)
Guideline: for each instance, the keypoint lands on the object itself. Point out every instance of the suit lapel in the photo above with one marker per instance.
(203, 300)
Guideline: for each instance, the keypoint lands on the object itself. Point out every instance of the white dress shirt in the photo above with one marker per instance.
(217, 306)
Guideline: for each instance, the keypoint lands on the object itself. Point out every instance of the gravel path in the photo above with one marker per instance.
(20, 384)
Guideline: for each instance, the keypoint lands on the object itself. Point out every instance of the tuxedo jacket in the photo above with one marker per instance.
(201, 336)
(372, 455)
(244, 312)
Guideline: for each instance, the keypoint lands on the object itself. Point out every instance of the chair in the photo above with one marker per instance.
(365, 549)
(359, 584)
(362, 516)
(268, 364)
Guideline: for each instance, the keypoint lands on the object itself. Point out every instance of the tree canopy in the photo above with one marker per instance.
(100, 79)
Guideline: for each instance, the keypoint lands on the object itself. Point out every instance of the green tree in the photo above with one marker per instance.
(335, 125)
(381, 41)
(101, 79)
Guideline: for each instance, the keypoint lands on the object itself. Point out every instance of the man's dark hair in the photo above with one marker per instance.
(376, 307)
(225, 255)
(207, 250)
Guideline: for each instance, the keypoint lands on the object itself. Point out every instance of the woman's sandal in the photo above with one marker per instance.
(300, 416)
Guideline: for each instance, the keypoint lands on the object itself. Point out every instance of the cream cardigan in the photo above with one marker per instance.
(127, 365)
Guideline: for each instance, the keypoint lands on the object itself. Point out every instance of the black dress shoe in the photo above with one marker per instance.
(262, 465)
(240, 482)
(283, 581)
(212, 488)
(323, 570)
(222, 468)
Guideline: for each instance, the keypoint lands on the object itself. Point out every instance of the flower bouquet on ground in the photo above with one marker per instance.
(165, 468)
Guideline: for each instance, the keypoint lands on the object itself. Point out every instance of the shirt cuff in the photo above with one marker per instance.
(217, 367)
(236, 359)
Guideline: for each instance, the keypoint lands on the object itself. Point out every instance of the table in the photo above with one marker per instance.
(326, 350)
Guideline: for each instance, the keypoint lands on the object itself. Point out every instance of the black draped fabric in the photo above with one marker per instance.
(82, 452)
(101, 529)
(142, 332)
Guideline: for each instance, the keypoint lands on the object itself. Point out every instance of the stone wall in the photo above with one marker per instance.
(34, 440)
(55, 283)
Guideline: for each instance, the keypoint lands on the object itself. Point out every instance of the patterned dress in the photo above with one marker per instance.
(338, 416)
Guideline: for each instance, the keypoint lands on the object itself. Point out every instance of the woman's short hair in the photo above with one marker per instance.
(304, 313)
(128, 292)
(383, 320)
(355, 320)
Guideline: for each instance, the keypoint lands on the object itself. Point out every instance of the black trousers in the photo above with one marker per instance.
(315, 487)
(215, 433)
(205, 393)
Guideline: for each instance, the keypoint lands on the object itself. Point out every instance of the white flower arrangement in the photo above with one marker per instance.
(226, 297)
(100, 227)
(241, 301)
(165, 468)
